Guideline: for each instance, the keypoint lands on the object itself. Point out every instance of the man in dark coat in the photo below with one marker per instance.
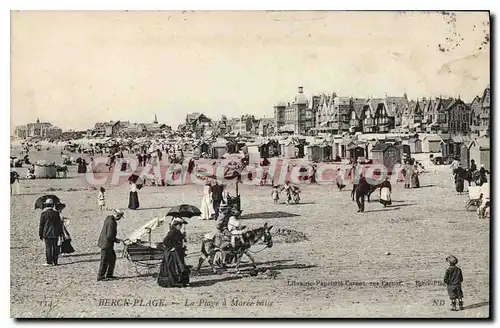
(482, 175)
(217, 190)
(51, 228)
(106, 242)
(473, 166)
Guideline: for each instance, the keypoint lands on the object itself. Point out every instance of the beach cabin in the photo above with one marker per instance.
(415, 145)
(344, 144)
(386, 154)
(431, 143)
(358, 150)
(451, 147)
(370, 144)
(253, 152)
(479, 151)
(320, 151)
(203, 147)
(219, 148)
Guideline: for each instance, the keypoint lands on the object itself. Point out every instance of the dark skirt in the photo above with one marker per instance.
(455, 291)
(133, 200)
(459, 185)
(82, 168)
(415, 181)
(173, 270)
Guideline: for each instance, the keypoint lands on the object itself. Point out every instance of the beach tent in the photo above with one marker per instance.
(45, 170)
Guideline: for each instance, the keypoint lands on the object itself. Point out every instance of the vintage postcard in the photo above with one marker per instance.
(250, 164)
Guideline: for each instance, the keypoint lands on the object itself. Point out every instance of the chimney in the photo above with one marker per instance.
(301, 89)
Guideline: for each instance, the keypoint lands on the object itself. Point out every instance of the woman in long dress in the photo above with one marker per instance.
(207, 208)
(385, 193)
(415, 181)
(408, 175)
(133, 200)
(173, 270)
(459, 183)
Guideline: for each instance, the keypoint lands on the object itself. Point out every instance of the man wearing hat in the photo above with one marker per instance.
(482, 175)
(106, 242)
(50, 230)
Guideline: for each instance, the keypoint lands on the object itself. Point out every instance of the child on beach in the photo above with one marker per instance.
(275, 194)
(101, 199)
(453, 279)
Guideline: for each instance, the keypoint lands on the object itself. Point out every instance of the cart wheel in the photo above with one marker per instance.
(147, 270)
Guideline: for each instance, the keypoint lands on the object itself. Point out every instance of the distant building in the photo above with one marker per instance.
(108, 129)
(298, 117)
(197, 123)
(485, 116)
(21, 132)
(37, 129)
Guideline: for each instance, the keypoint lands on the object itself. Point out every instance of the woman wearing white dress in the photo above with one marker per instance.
(207, 208)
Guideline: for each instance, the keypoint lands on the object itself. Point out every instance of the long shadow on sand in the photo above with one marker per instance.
(154, 208)
(402, 205)
(82, 254)
(202, 283)
(276, 266)
(383, 210)
(82, 261)
(477, 305)
(268, 215)
(427, 186)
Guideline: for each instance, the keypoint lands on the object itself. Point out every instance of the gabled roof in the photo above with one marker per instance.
(476, 105)
(396, 105)
(358, 104)
(382, 147)
(486, 97)
(444, 104)
(482, 143)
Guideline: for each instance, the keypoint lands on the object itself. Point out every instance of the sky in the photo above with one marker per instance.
(76, 68)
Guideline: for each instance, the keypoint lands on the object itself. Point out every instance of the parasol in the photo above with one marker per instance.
(133, 178)
(40, 201)
(184, 211)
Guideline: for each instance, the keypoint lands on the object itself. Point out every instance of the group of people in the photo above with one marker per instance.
(173, 269)
(213, 196)
(411, 173)
(292, 193)
(53, 232)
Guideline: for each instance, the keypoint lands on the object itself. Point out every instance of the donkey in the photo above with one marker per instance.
(213, 244)
(468, 175)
